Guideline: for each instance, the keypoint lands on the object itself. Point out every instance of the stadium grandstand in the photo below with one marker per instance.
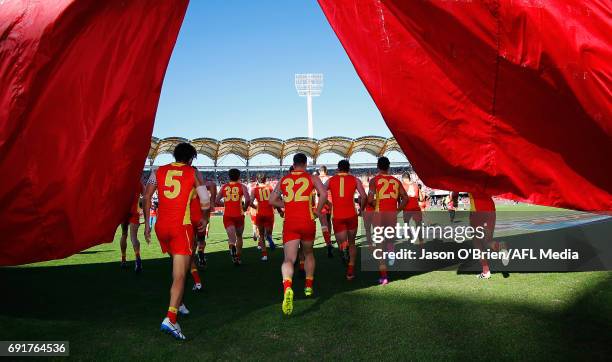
(246, 150)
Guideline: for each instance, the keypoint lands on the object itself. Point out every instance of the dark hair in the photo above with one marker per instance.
(234, 174)
(300, 159)
(323, 169)
(261, 177)
(383, 164)
(184, 152)
(344, 166)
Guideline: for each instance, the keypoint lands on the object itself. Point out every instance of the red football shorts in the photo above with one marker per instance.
(267, 221)
(417, 215)
(304, 230)
(345, 224)
(385, 218)
(175, 240)
(235, 221)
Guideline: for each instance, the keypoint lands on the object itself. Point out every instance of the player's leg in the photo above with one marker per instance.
(230, 229)
(136, 246)
(201, 239)
(269, 230)
(197, 282)
(309, 266)
(351, 237)
(290, 250)
(367, 225)
(262, 240)
(341, 239)
(239, 241)
(300, 259)
(327, 236)
(123, 244)
(478, 219)
(180, 265)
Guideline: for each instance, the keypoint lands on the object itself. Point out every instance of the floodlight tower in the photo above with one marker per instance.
(309, 85)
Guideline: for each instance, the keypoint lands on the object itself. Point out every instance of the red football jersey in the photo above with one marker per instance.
(481, 202)
(297, 188)
(386, 193)
(412, 189)
(342, 188)
(175, 186)
(262, 195)
(232, 192)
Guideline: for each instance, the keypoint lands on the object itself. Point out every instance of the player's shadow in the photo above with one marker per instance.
(111, 299)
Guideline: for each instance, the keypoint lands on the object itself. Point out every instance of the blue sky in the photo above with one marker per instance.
(231, 75)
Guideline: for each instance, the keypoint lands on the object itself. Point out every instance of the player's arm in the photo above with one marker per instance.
(276, 198)
(363, 198)
(212, 189)
(253, 198)
(371, 193)
(326, 186)
(403, 198)
(148, 195)
(218, 200)
(247, 197)
(322, 192)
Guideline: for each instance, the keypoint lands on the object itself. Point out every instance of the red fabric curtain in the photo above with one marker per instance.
(499, 97)
(79, 85)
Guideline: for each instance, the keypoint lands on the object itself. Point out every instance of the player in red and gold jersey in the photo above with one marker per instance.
(264, 216)
(293, 193)
(232, 194)
(326, 214)
(197, 215)
(211, 187)
(482, 214)
(342, 188)
(367, 212)
(176, 185)
(131, 223)
(412, 209)
(388, 198)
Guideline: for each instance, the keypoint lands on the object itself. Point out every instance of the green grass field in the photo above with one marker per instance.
(111, 314)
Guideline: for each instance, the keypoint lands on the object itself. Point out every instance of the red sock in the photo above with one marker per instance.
(137, 254)
(172, 314)
(301, 265)
(327, 237)
(287, 283)
(196, 276)
(383, 271)
(309, 282)
(350, 270)
(264, 252)
(123, 258)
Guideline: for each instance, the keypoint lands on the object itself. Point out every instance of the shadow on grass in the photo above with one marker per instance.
(423, 325)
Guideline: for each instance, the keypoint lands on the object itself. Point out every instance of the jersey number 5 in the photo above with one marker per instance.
(173, 183)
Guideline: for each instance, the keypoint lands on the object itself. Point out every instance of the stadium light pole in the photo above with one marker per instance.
(309, 85)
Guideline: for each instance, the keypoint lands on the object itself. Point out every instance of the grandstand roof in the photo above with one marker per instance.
(277, 148)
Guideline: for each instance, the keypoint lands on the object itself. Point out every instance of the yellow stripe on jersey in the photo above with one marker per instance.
(187, 216)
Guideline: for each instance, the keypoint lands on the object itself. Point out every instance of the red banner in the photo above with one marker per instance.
(499, 97)
(79, 85)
